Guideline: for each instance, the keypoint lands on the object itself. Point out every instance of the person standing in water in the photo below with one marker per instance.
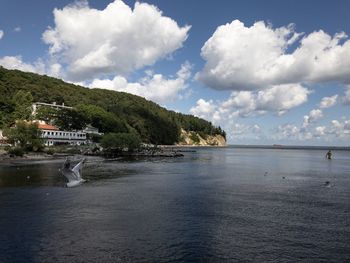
(329, 155)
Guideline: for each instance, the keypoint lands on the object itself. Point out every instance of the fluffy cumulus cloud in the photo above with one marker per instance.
(340, 128)
(208, 110)
(313, 116)
(154, 87)
(240, 130)
(328, 102)
(287, 131)
(39, 66)
(203, 108)
(277, 99)
(16, 62)
(247, 58)
(319, 131)
(116, 40)
(1, 34)
(334, 131)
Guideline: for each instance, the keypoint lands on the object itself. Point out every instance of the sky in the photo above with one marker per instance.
(267, 72)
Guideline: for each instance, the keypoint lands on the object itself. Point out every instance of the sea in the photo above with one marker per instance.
(212, 205)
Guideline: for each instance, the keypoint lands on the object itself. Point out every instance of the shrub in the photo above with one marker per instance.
(120, 141)
(16, 151)
(194, 137)
(25, 135)
(49, 151)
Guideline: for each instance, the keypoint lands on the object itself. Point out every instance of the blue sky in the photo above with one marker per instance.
(266, 71)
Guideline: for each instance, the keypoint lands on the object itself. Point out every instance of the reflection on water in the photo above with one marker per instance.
(214, 205)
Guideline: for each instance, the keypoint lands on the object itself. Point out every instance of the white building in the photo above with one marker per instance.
(53, 136)
(36, 105)
(92, 130)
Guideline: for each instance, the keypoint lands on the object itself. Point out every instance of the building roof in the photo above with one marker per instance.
(44, 126)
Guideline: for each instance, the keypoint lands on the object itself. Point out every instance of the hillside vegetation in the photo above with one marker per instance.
(110, 111)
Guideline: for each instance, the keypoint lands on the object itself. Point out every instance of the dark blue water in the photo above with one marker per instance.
(215, 205)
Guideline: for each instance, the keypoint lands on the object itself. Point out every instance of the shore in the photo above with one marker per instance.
(34, 158)
(167, 151)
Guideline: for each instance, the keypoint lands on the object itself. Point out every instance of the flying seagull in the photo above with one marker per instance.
(73, 174)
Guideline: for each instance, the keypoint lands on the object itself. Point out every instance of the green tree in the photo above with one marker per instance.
(70, 119)
(7, 107)
(23, 105)
(25, 135)
(101, 119)
(47, 114)
(64, 119)
(120, 141)
(194, 137)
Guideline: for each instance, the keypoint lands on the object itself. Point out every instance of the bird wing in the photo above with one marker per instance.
(70, 175)
(77, 169)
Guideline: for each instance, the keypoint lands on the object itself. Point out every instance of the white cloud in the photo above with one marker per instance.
(282, 98)
(39, 66)
(243, 129)
(203, 107)
(334, 131)
(206, 110)
(340, 128)
(116, 40)
(11, 62)
(277, 99)
(239, 131)
(328, 102)
(313, 116)
(17, 29)
(346, 98)
(54, 70)
(287, 131)
(1, 34)
(154, 87)
(247, 58)
(319, 131)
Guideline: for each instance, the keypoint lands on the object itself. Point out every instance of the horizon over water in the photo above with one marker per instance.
(290, 146)
(213, 205)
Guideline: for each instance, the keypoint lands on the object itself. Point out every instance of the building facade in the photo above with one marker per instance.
(53, 136)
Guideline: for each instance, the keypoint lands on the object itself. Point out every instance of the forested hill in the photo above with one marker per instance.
(110, 111)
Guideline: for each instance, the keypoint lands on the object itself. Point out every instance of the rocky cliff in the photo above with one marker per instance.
(196, 139)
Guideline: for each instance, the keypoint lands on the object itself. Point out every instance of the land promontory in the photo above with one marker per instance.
(108, 111)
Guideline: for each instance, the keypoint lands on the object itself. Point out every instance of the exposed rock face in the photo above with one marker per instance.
(193, 138)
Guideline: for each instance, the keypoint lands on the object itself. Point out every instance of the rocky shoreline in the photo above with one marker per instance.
(35, 158)
(162, 151)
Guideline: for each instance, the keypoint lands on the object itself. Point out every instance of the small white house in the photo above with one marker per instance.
(92, 130)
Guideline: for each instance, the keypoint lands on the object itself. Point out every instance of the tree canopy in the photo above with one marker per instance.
(120, 141)
(25, 135)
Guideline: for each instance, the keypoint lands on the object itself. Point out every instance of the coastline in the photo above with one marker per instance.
(30, 158)
(170, 151)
